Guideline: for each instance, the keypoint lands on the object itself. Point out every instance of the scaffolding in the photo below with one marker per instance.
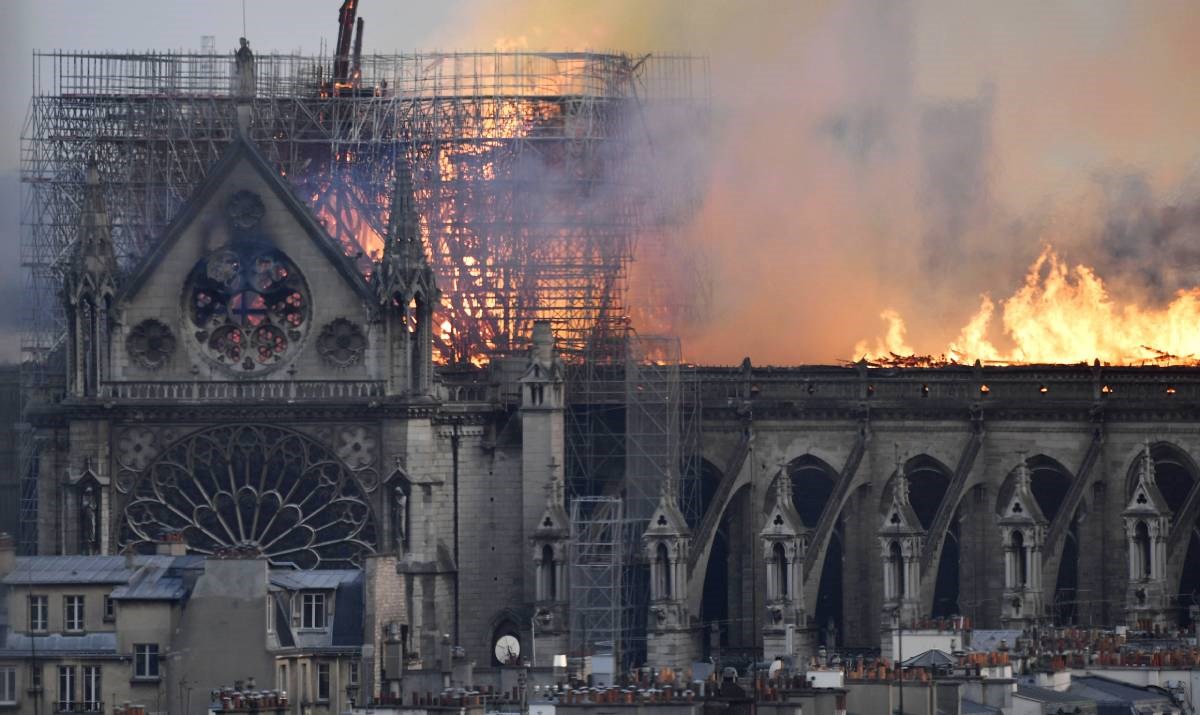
(597, 555)
(633, 424)
(533, 172)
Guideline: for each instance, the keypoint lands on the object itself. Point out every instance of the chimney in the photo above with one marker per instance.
(172, 545)
(8, 554)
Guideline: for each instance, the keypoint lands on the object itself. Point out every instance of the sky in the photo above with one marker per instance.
(904, 155)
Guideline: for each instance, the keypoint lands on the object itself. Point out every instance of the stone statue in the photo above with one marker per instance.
(244, 84)
(89, 522)
(400, 516)
(831, 634)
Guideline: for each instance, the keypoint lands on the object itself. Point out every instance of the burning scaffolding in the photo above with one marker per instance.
(532, 170)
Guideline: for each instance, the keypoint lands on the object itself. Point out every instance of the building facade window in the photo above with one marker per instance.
(66, 688)
(8, 685)
(110, 609)
(282, 680)
(145, 660)
(72, 613)
(39, 613)
(91, 689)
(352, 676)
(312, 610)
(323, 682)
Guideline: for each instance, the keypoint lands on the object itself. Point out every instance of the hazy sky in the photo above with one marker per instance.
(865, 154)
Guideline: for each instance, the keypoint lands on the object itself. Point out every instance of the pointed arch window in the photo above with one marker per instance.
(1142, 554)
(1022, 560)
(548, 574)
(896, 569)
(662, 562)
(780, 565)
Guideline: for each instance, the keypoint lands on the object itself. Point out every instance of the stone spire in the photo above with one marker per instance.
(900, 492)
(1022, 509)
(403, 272)
(93, 261)
(900, 517)
(1147, 499)
(783, 484)
(1148, 474)
(1024, 478)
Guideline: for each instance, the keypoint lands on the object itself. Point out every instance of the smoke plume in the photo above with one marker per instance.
(905, 158)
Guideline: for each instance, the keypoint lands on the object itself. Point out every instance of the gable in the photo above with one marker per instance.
(245, 283)
(1022, 507)
(667, 520)
(1146, 499)
(783, 521)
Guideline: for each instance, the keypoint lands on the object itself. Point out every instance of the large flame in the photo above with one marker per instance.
(506, 234)
(1062, 314)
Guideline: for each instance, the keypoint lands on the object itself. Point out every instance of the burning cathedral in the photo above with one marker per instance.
(318, 312)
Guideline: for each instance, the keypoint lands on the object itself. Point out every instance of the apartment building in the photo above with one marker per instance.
(164, 631)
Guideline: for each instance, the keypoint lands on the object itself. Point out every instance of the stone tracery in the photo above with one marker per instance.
(249, 305)
(253, 490)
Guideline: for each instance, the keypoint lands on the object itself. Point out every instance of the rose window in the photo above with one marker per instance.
(249, 305)
(253, 491)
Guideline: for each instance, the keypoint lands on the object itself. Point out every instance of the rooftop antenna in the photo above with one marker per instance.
(243, 18)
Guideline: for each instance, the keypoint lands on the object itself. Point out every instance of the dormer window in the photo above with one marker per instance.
(312, 611)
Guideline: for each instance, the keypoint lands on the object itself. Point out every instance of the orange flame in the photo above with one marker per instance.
(1064, 314)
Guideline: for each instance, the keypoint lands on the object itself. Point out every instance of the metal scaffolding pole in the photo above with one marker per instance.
(597, 556)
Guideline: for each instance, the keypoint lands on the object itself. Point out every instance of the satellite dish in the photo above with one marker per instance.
(776, 666)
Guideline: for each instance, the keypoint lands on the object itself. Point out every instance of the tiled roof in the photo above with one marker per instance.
(90, 644)
(930, 659)
(152, 582)
(970, 707)
(1046, 695)
(1106, 689)
(989, 640)
(32, 570)
(321, 579)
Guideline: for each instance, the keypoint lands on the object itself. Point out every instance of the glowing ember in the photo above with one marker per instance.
(1063, 314)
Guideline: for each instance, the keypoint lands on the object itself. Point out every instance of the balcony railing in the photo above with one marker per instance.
(79, 707)
(220, 391)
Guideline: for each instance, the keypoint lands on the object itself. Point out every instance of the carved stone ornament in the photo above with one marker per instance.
(150, 344)
(136, 447)
(244, 209)
(341, 343)
(356, 447)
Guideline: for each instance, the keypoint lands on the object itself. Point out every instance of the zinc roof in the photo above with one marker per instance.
(89, 644)
(322, 579)
(30, 570)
